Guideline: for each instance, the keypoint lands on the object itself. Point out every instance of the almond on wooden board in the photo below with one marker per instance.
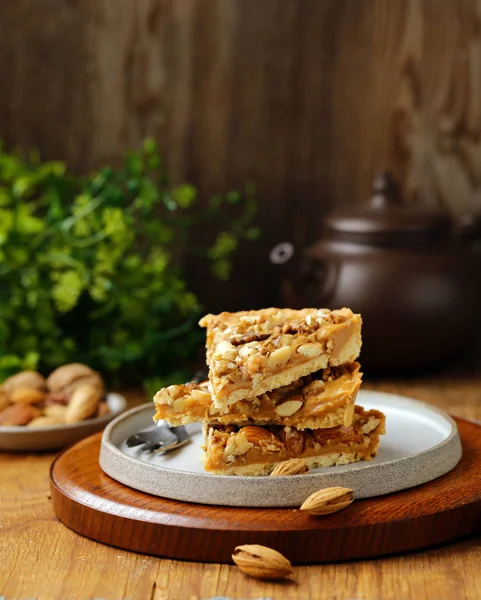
(83, 403)
(328, 500)
(294, 466)
(261, 562)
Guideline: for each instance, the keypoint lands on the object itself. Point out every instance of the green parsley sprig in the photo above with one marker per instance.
(90, 267)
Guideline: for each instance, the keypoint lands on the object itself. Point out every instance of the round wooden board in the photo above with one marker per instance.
(94, 505)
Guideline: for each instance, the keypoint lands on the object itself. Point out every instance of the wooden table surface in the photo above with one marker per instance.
(41, 559)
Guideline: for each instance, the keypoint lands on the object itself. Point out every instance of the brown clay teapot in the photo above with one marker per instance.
(414, 275)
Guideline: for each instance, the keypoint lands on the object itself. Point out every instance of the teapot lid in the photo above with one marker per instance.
(385, 220)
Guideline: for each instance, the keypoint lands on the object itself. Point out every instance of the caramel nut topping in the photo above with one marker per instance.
(294, 440)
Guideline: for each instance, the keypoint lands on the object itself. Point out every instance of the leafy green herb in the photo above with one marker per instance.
(90, 267)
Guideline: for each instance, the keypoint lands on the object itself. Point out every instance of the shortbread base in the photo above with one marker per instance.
(314, 462)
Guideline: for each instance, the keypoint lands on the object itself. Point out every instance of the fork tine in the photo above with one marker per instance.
(173, 447)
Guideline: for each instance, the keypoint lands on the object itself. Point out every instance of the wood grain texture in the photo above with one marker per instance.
(94, 505)
(42, 559)
(305, 99)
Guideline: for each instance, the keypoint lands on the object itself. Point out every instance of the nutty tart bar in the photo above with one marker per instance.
(254, 450)
(253, 352)
(325, 399)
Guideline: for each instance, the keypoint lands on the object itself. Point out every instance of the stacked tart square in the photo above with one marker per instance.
(282, 384)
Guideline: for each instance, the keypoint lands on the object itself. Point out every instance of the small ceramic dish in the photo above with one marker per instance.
(15, 438)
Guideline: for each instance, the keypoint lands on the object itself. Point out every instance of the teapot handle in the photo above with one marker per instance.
(282, 253)
(469, 227)
(312, 279)
(323, 281)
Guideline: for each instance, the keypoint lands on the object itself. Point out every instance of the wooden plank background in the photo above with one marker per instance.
(305, 98)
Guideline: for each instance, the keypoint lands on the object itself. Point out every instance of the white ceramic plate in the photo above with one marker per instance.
(421, 444)
(54, 437)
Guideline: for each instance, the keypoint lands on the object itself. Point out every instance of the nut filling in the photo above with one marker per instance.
(325, 399)
(253, 352)
(254, 450)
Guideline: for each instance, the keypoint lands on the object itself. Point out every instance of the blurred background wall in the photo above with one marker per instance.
(305, 98)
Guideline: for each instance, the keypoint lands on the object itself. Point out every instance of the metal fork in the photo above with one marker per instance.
(161, 437)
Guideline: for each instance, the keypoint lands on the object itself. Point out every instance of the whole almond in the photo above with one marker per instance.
(30, 379)
(93, 379)
(66, 375)
(328, 501)
(261, 562)
(83, 403)
(294, 466)
(26, 395)
(56, 411)
(44, 421)
(18, 414)
(4, 398)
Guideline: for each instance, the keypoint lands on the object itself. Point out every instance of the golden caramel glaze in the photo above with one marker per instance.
(253, 352)
(253, 450)
(324, 399)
